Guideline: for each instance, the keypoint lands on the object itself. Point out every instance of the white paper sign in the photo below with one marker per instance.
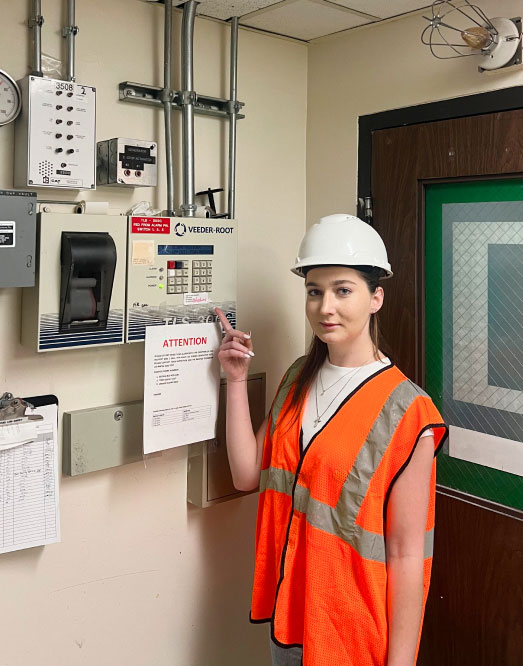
(182, 381)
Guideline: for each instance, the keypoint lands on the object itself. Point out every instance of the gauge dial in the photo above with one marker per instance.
(10, 98)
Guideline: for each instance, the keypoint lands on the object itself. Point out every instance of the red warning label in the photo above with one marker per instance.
(151, 225)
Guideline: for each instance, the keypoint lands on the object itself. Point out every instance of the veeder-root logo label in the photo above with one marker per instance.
(180, 229)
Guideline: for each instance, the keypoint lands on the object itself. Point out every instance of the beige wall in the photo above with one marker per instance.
(375, 69)
(141, 577)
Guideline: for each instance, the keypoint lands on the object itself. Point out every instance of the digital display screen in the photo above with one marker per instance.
(179, 250)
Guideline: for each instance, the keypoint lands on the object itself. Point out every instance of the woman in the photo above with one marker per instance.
(345, 464)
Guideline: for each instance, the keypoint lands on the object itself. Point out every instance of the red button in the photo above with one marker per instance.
(171, 264)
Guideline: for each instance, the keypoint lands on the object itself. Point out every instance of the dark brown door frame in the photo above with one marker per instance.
(506, 99)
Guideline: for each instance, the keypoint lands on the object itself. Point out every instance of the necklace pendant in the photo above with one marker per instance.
(316, 421)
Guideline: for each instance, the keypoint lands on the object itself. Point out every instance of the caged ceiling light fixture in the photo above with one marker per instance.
(497, 41)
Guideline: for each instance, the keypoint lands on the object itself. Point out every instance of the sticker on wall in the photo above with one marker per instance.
(7, 234)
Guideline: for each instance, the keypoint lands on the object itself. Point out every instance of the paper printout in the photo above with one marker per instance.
(29, 509)
(182, 378)
(143, 253)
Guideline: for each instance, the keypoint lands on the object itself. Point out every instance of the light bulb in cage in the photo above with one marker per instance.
(458, 29)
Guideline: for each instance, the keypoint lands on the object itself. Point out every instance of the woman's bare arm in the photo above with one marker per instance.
(244, 447)
(405, 539)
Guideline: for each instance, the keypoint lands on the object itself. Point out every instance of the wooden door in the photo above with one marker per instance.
(475, 610)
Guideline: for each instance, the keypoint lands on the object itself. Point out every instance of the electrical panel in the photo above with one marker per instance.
(17, 238)
(179, 270)
(127, 163)
(79, 297)
(55, 135)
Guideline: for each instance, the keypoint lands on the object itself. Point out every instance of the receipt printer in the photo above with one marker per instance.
(79, 297)
(88, 261)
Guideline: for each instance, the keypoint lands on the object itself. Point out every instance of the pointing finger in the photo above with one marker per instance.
(224, 321)
(230, 332)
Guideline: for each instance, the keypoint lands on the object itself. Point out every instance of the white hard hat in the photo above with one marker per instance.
(341, 240)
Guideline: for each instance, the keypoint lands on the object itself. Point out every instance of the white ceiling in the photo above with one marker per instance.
(306, 19)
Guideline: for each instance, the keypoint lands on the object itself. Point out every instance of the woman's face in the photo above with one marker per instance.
(339, 304)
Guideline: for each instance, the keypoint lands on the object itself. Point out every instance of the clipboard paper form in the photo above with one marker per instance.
(29, 504)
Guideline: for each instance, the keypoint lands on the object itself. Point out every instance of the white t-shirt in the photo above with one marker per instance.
(329, 389)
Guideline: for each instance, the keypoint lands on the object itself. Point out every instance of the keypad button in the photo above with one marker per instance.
(196, 271)
(185, 272)
(170, 280)
(170, 290)
(178, 289)
(196, 287)
(185, 280)
(196, 280)
(185, 263)
(196, 264)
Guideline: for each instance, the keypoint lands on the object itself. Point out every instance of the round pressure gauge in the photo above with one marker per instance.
(10, 98)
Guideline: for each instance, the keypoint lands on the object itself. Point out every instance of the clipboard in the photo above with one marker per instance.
(29, 506)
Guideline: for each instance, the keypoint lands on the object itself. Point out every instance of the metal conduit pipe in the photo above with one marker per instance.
(166, 101)
(233, 111)
(69, 32)
(188, 207)
(35, 22)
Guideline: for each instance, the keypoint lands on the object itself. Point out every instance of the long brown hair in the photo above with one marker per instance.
(318, 350)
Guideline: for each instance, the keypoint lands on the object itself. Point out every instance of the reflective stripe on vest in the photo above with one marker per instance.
(341, 519)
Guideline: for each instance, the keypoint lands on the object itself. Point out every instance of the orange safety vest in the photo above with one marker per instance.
(320, 575)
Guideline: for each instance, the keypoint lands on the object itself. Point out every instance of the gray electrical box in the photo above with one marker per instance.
(209, 479)
(17, 238)
(102, 437)
(127, 163)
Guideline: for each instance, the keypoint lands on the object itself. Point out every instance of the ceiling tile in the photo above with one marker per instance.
(224, 9)
(383, 8)
(304, 19)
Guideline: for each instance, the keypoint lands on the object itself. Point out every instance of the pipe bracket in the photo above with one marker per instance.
(70, 30)
(165, 95)
(35, 21)
(234, 107)
(186, 97)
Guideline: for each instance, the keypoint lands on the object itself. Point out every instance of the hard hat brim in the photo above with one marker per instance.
(301, 267)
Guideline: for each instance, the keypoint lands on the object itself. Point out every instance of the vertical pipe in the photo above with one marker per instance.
(36, 24)
(233, 98)
(189, 11)
(69, 33)
(167, 94)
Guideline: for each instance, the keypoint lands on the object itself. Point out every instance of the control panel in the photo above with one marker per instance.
(55, 135)
(127, 163)
(179, 270)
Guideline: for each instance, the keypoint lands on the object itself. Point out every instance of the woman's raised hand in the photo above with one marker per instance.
(235, 351)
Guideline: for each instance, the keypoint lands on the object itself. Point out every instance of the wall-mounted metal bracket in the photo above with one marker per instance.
(139, 93)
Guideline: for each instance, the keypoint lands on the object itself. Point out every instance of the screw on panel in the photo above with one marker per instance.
(118, 415)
